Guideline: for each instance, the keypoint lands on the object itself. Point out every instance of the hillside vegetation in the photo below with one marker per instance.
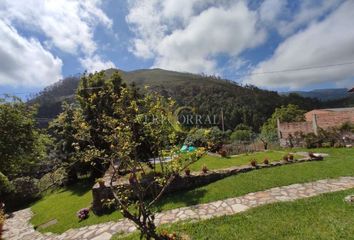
(207, 94)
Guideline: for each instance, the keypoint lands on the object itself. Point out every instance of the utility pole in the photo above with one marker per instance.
(222, 120)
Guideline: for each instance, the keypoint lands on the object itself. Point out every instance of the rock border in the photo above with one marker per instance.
(184, 182)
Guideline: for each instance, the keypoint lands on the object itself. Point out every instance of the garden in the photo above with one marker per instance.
(145, 169)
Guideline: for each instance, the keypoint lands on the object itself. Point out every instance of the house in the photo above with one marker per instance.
(314, 120)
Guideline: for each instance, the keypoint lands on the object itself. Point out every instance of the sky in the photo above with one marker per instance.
(273, 44)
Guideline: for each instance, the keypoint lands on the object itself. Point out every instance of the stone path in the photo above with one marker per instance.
(18, 227)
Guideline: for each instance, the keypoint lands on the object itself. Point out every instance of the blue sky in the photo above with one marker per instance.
(44, 41)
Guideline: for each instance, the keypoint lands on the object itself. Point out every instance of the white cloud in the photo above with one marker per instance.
(67, 25)
(95, 63)
(271, 10)
(278, 14)
(24, 62)
(189, 37)
(326, 42)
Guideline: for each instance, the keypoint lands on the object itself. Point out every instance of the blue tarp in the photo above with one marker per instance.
(186, 148)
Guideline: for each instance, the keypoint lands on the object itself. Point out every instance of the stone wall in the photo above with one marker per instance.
(287, 128)
(182, 183)
(315, 119)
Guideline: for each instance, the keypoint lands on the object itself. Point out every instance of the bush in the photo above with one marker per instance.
(187, 172)
(286, 158)
(5, 185)
(223, 153)
(211, 138)
(58, 178)
(25, 190)
(290, 157)
(266, 161)
(205, 169)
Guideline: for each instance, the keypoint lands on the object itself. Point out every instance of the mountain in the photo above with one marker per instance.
(323, 94)
(209, 95)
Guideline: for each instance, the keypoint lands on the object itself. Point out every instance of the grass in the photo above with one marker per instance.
(339, 163)
(216, 162)
(63, 205)
(323, 217)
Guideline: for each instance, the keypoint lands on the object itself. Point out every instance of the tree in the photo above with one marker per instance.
(289, 113)
(242, 132)
(116, 122)
(63, 129)
(22, 145)
(211, 138)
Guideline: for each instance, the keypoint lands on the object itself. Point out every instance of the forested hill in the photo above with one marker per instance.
(323, 94)
(208, 95)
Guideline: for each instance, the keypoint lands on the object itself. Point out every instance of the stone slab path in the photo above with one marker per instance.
(18, 226)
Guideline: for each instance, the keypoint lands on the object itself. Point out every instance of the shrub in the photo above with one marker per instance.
(205, 169)
(187, 171)
(254, 163)
(25, 189)
(286, 158)
(290, 157)
(83, 213)
(266, 161)
(51, 180)
(5, 185)
(338, 145)
(223, 153)
(211, 138)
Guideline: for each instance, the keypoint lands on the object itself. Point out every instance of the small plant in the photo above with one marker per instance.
(171, 236)
(205, 169)
(83, 213)
(290, 157)
(223, 153)
(266, 161)
(187, 171)
(254, 163)
(285, 158)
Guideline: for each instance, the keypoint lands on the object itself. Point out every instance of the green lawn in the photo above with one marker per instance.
(323, 217)
(216, 162)
(64, 205)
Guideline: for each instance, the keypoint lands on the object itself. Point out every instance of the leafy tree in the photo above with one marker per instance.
(116, 122)
(211, 138)
(289, 113)
(242, 132)
(22, 145)
(96, 95)
(63, 129)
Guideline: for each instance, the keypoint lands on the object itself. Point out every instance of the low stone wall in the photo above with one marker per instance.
(182, 183)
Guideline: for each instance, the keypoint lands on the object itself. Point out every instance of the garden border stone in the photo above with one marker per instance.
(184, 182)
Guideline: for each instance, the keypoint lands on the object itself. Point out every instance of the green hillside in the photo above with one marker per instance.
(207, 94)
